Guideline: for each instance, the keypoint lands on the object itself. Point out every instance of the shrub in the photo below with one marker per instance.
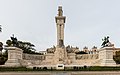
(2, 60)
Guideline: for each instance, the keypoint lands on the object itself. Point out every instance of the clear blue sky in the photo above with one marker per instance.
(88, 21)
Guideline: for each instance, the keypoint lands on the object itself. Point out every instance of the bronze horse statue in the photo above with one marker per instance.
(105, 42)
(14, 41)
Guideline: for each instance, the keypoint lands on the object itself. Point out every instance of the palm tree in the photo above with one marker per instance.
(0, 28)
(1, 48)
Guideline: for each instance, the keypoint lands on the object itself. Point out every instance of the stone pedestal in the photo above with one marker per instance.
(14, 56)
(72, 59)
(106, 56)
(60, 56)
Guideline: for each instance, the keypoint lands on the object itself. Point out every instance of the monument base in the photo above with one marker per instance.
(14, 56)
(13, 63)
(106, 56)
(108, 62)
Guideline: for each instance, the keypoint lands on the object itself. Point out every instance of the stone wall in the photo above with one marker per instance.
(87, 59)
(86, 56)
(30, 59)
(33, 57)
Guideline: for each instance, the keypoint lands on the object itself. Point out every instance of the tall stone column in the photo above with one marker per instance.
(60, 53)
(106, 56)
(60, 20)
(14, 56)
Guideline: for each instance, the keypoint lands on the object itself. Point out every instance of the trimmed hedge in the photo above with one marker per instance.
(14, 69)
(2, 60)
(95, 68)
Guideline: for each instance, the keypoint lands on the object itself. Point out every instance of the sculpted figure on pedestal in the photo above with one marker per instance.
(106, 42)
(60, 12)
(14, 41)
(61, 44)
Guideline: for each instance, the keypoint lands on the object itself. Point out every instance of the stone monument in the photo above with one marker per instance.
(60, 24)
(60, 53)
(14, 56)
(106, 53)
(61, 56)
(106, 56)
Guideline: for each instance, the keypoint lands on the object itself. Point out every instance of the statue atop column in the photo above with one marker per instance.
(60, 12)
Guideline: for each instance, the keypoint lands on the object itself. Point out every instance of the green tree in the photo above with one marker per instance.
(1, 46)
(9, 42)
(81, 52)
(116, 57)
(2, 60)
(3, 57)
(27, 47)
